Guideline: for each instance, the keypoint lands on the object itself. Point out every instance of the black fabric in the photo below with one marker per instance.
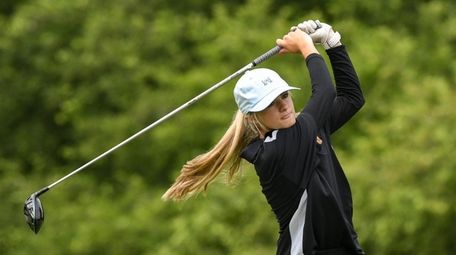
(290, 162)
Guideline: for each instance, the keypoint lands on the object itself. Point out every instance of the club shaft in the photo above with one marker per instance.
(266, 55)
(257, 61)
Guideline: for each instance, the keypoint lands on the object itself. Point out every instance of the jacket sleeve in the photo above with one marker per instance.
(323, 93)
(349, 96)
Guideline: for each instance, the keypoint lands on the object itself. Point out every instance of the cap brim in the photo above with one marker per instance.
(269, 98)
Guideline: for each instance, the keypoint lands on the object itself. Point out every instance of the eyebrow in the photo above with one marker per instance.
(286, 92)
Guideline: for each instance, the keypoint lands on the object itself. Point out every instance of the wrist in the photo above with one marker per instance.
(311, 56)
(307, 50)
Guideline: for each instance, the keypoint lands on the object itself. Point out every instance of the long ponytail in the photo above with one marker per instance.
(199, 172)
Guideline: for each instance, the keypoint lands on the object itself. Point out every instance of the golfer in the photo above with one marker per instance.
(298, 170)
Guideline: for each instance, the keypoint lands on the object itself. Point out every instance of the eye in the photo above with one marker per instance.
(285, 95)
(282, 96)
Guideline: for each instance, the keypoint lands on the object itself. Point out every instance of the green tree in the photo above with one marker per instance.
(77, 77)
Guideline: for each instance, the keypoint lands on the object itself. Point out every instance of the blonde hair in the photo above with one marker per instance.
(199, 172)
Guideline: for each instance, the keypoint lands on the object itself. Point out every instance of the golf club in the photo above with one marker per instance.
(33, 209)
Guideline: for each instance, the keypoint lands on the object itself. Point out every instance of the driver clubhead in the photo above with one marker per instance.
(33, 212)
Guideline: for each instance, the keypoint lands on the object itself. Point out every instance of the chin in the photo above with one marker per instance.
(293, 122)
(290, 123)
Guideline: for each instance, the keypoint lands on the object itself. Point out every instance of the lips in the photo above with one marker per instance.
(286, 116)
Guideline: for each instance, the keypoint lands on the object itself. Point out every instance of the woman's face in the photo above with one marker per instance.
(279, 114)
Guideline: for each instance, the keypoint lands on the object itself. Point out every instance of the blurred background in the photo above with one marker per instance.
(77, 77)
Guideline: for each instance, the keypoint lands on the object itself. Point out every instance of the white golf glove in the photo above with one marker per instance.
(321, 33)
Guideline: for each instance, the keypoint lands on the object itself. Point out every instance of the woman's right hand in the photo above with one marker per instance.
(297, 42)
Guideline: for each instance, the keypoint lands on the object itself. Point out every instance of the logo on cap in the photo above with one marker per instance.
(266, 81)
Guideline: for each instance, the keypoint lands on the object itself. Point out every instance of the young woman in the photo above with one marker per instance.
(300, 175)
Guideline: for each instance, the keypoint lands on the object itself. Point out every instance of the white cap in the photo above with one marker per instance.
(258, 88)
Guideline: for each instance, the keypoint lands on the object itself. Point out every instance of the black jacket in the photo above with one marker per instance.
(300, 175)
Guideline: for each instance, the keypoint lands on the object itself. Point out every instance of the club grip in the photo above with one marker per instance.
(266, 55)
(274, 51)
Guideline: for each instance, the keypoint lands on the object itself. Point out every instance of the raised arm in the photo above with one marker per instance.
(349, 97)
(323, 93)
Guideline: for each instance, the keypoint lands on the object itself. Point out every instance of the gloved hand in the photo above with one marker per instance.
(321, 33)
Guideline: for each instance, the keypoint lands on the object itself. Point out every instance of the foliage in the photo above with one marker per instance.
(78, 77)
